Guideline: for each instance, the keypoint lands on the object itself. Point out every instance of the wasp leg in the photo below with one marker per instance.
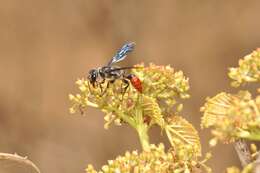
(93, 85)
(108, 83)
(89, 87)
(125, 88)
(100, 85)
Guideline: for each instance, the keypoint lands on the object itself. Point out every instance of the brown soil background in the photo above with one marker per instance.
(46, 45)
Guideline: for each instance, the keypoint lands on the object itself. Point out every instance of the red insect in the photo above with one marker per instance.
(136, 82)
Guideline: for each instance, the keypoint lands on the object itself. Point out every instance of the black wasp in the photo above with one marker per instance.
(112, 73)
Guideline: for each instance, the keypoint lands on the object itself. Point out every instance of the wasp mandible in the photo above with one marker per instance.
(112, 73)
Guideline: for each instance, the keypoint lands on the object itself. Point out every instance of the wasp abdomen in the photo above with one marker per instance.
(136, 82)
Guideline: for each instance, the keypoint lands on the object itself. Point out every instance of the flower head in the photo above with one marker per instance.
(248, 70)
(161, 87)
(232, 116)
(155, 160)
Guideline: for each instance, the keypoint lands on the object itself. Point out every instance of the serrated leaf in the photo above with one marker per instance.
(182, 134)
(151, 108)
(216, 107)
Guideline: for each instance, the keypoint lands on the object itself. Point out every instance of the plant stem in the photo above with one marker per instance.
(122, 115)
(243, 152)
(254, 136)
(257, 165)
(142, 130)
(141, 127)
(18, 159)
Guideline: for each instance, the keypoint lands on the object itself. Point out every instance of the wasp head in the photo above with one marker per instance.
(92, 76)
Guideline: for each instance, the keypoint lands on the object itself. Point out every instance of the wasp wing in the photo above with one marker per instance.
(122, 53)
(124, 68)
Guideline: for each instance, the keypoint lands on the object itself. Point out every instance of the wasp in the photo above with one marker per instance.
(111, 73)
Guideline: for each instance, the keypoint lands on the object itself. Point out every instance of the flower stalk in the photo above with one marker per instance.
(142, 131)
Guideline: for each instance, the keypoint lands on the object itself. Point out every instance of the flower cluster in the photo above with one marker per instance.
(155, 160)
(235, 116)
(155, 105)
(161, 87)
(160, 84)
(246, 169)
(232, 116)
(248, 70)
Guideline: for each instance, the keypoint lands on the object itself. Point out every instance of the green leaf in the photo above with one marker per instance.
(215, 108)
(182, 134)
(151, 109)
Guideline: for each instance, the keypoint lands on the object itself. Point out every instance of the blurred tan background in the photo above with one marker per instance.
(46, 45)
